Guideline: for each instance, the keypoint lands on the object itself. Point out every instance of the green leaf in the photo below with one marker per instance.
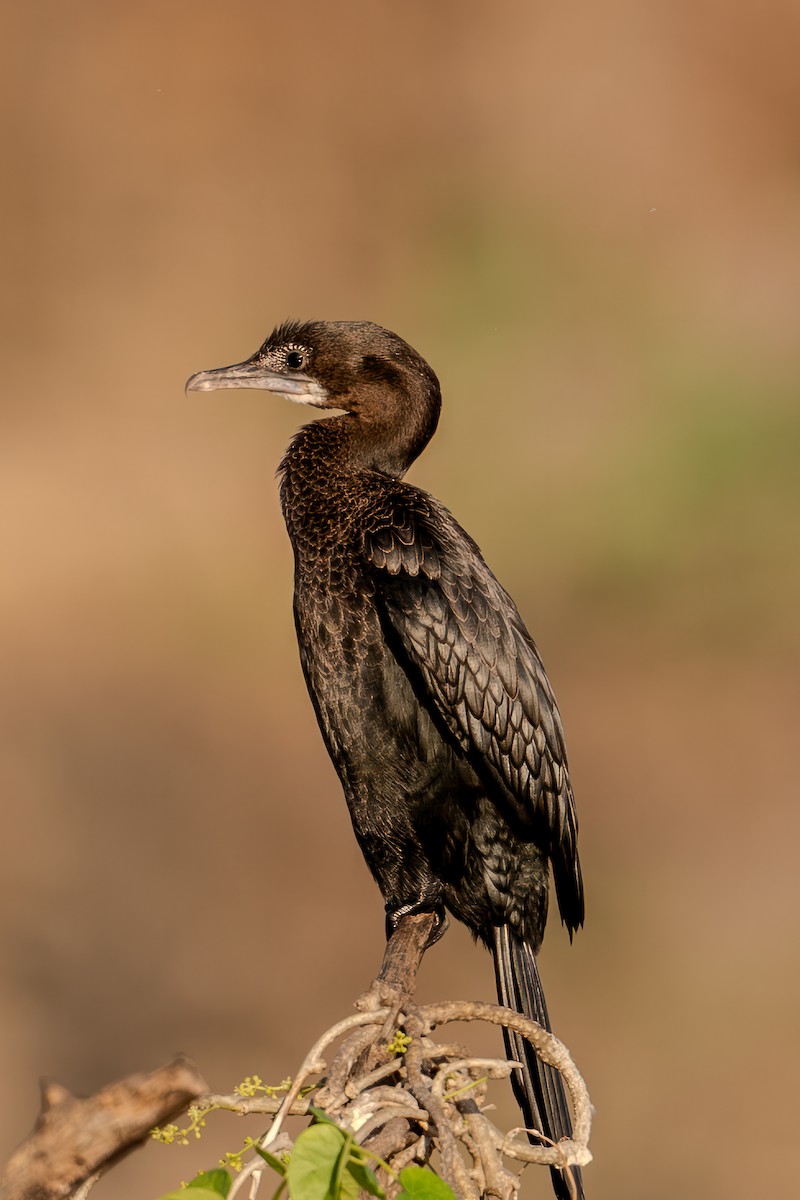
(348, 1188)
(217, 1181)
(275, 1163)
(200, 1193)
(207, 1185)
(312, 1170)
(364, 1178)
(421, 1184)
(321, 1116)
(326, 1165)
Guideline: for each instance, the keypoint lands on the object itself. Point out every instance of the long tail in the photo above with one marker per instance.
(538, 1087)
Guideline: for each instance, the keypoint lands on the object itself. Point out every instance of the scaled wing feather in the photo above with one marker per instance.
(482, 673)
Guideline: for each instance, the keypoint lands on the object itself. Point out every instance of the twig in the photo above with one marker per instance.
(399, 1106)
(568, 1152)
(313, 1063)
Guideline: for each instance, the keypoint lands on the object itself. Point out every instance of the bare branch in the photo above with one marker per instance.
(400, 1093)
(404, 951)
(76, 1139)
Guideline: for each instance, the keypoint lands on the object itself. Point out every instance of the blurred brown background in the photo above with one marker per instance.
(586, 217)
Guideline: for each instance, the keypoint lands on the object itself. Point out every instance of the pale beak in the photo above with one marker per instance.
(254, 374)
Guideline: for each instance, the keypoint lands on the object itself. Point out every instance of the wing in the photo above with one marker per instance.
(480, 669)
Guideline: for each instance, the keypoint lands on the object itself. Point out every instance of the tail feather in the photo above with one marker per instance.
(538, 1087)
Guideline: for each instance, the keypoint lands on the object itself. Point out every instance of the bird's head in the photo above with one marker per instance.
(352, 366)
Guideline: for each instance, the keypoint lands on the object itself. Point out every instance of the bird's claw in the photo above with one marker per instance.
(395, 915)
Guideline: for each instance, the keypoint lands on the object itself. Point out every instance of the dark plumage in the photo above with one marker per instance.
(430, 694)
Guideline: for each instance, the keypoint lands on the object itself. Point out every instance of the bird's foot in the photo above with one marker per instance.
(425, 907)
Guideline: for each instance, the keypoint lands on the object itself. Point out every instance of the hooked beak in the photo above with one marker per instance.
(254, 374)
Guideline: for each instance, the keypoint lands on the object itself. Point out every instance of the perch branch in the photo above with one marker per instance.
(401, 1094)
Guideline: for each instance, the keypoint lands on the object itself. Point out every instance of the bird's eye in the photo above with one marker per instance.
(294, 360)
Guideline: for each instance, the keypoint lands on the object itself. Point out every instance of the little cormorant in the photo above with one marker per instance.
(429, 691)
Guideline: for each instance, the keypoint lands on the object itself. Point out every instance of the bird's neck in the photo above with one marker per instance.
(393, 425)
(321, 489)
(316, 457)
(371, 440)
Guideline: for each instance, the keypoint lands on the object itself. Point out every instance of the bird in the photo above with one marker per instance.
(429, 691)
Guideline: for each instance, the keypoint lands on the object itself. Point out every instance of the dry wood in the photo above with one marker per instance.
(75, 1139)
(404, 952)
(400, 1101)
